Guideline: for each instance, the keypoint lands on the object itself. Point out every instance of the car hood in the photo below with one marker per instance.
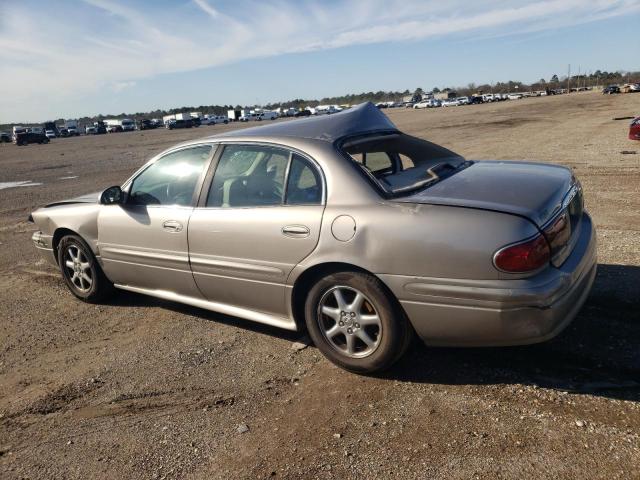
(532, 190)
(86, 198)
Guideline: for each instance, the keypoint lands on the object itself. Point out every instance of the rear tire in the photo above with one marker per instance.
(81, 271)
(355, 323)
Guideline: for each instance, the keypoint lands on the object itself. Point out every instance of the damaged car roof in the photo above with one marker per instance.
(363, 118)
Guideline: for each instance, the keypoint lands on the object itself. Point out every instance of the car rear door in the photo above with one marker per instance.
(259, 217)
(143, 242)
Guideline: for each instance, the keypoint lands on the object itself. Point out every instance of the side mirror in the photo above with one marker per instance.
(112, 195)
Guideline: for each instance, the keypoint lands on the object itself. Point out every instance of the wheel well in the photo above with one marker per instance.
(310, 276)
(57, 236)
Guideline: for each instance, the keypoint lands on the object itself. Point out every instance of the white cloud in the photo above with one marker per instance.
(119, 86)
(208, 9)
(71, 51)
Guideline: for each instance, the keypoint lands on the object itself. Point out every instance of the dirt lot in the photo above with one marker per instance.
(141, 388)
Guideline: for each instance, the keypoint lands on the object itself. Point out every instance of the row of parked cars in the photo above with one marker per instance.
(38, 134)
(185, 122)
(24, 138)
(473, 99)
(26, 135)
(626, 88)
(173, 123)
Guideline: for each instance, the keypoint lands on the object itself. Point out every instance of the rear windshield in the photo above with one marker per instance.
(399, 164)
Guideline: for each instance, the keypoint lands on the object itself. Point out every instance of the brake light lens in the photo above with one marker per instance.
(523, 257)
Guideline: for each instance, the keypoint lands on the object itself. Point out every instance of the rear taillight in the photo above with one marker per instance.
(558, 232)
(523, 257)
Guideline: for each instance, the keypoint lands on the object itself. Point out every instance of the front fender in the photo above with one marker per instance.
(81, 218)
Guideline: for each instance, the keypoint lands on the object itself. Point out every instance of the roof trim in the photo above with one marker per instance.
(361, 119)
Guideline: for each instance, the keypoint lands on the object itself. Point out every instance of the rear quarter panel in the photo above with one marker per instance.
(420, 240)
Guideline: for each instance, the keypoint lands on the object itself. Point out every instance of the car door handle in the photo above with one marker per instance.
(295, 231)
(172, 226)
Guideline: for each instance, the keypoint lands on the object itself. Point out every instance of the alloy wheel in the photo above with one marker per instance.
(349, 322)
(78, 268)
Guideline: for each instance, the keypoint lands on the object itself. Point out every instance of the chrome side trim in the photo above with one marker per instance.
(252, 280)
(139, 253)
(145, 265)
(235, 266)
(491, 297)
(280, 322)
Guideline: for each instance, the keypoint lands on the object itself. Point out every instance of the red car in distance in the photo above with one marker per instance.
(634, 129)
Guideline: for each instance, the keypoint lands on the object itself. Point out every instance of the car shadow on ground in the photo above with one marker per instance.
(597, 354)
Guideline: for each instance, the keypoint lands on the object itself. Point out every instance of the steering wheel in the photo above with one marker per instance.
(143, 198)
(178, 193)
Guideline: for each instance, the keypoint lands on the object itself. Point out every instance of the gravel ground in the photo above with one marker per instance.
(141, 388)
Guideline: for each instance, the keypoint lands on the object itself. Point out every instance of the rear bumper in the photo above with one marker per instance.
(451, 312)
(44, 246)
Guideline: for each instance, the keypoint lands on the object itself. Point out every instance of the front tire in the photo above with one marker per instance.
(81, 271)
(355, 323)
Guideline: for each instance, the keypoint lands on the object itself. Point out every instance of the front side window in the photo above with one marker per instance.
(172, 179)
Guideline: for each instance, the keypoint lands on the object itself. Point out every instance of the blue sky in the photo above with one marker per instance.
(72, 58)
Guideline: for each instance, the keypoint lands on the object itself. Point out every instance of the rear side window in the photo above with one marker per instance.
(304, 186)
(400, 164)
(258, 175)
(375, 162)
(249, 175)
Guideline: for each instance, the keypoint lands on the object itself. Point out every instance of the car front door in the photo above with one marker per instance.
(143, 242)
(260, 217)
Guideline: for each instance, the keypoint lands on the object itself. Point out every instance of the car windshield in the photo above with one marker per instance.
(399, 164)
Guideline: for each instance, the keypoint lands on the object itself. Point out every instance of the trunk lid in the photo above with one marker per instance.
(548, 195)
(531, 190)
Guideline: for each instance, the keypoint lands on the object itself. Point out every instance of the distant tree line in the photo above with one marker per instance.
(597, 78)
